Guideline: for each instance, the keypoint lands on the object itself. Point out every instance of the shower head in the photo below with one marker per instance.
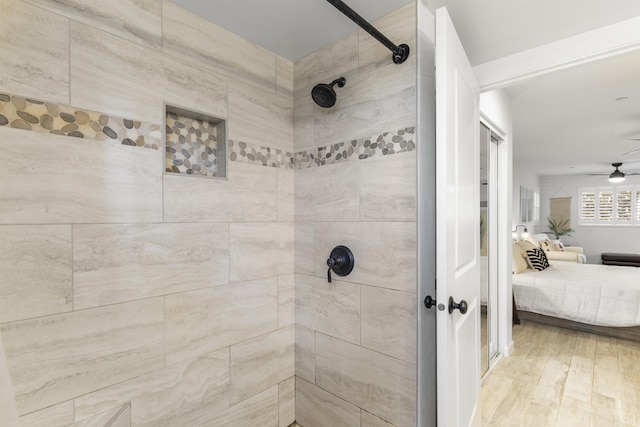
(324, 95)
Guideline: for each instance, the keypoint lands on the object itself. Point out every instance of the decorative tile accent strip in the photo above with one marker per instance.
(192, 145)
(381, 145)
(257, 155)
(59, 119)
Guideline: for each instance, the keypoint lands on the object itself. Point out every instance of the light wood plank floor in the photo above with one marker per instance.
(558, 377)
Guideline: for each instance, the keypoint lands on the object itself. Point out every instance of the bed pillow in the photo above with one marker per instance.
(519, 262)
(537, 259)
(545, 245)
(526, 245)
(556, 245)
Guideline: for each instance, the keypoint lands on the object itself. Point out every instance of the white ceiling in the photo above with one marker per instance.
(291, 28)
(569, 122)
(566, 122)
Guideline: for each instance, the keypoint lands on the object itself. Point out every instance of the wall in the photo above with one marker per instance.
(356, 336)
(525, 177)
(593, 239)
(119, 283)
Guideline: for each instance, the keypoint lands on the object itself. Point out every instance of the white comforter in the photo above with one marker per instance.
(595, 294)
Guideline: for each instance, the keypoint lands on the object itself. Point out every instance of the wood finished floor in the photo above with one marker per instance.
(559, 377)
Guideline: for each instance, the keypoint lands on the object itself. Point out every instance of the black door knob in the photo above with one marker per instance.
(341, 261)
(429, 302)
(462, 306)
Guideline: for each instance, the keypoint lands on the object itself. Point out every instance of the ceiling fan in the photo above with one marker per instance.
(617, 175)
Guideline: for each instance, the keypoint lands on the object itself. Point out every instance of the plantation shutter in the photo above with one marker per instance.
(605, 206)
(589, 206)
(624, 207)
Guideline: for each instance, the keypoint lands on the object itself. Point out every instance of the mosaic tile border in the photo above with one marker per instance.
(59, 119)
(245, 152)
(385, 144)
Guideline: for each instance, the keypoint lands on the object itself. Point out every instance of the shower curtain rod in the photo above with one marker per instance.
(399, 53)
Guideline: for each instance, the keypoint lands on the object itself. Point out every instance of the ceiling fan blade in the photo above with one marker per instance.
(632, 139)
(631, 152)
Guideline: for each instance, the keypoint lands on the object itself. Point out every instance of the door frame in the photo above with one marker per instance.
(602, 43)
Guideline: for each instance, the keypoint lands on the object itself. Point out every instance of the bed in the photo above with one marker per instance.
(595, 298)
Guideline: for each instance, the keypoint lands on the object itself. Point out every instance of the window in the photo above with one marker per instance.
(610, 206)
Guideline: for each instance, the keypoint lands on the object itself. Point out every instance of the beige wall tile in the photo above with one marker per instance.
(183, 34)
(305, 353)
(130, 80)
(303, 121)
(135, 20)
(122, 418)
(317, 408)
(287, 402)
(369, 420)
(57, 179)
(399, 26)
(327, 193)
(374, 102)
(260, 250)
(285, 194)
(117, 263)
(389, 322)
(35, 52)
(53, 359)
(35, 262)
(205, 320)
(396, 240)
(259, 410)
(8, 409)
(304, 255)
(284, 76)
(337, 59)
(331, 308)
(186, 393)
(259, 363)
(260, 116)
(286, 300)
(379, 384)
(249, 194)
(116, 417)
(388, 188)
(56, 415)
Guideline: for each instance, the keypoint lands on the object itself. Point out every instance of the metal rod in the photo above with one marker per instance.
(399, 53)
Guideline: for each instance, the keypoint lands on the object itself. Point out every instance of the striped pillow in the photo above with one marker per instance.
(537, 259)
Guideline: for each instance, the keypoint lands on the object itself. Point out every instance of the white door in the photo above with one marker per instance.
(458, 230)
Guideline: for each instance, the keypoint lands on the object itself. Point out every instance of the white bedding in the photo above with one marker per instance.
(602, 295)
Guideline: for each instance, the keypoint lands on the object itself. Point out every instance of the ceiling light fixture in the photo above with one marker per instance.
(616, 176)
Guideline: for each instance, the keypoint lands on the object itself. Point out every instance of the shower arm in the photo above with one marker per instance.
(399, 53)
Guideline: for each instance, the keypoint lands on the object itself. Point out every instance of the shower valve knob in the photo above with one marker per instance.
(341, 261)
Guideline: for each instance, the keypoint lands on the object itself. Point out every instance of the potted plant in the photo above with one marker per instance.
(559, 227)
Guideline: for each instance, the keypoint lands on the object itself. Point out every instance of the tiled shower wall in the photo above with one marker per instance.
(121, 284)
(356, 336)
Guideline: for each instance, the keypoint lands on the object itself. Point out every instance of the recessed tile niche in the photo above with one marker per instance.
(195, 143)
